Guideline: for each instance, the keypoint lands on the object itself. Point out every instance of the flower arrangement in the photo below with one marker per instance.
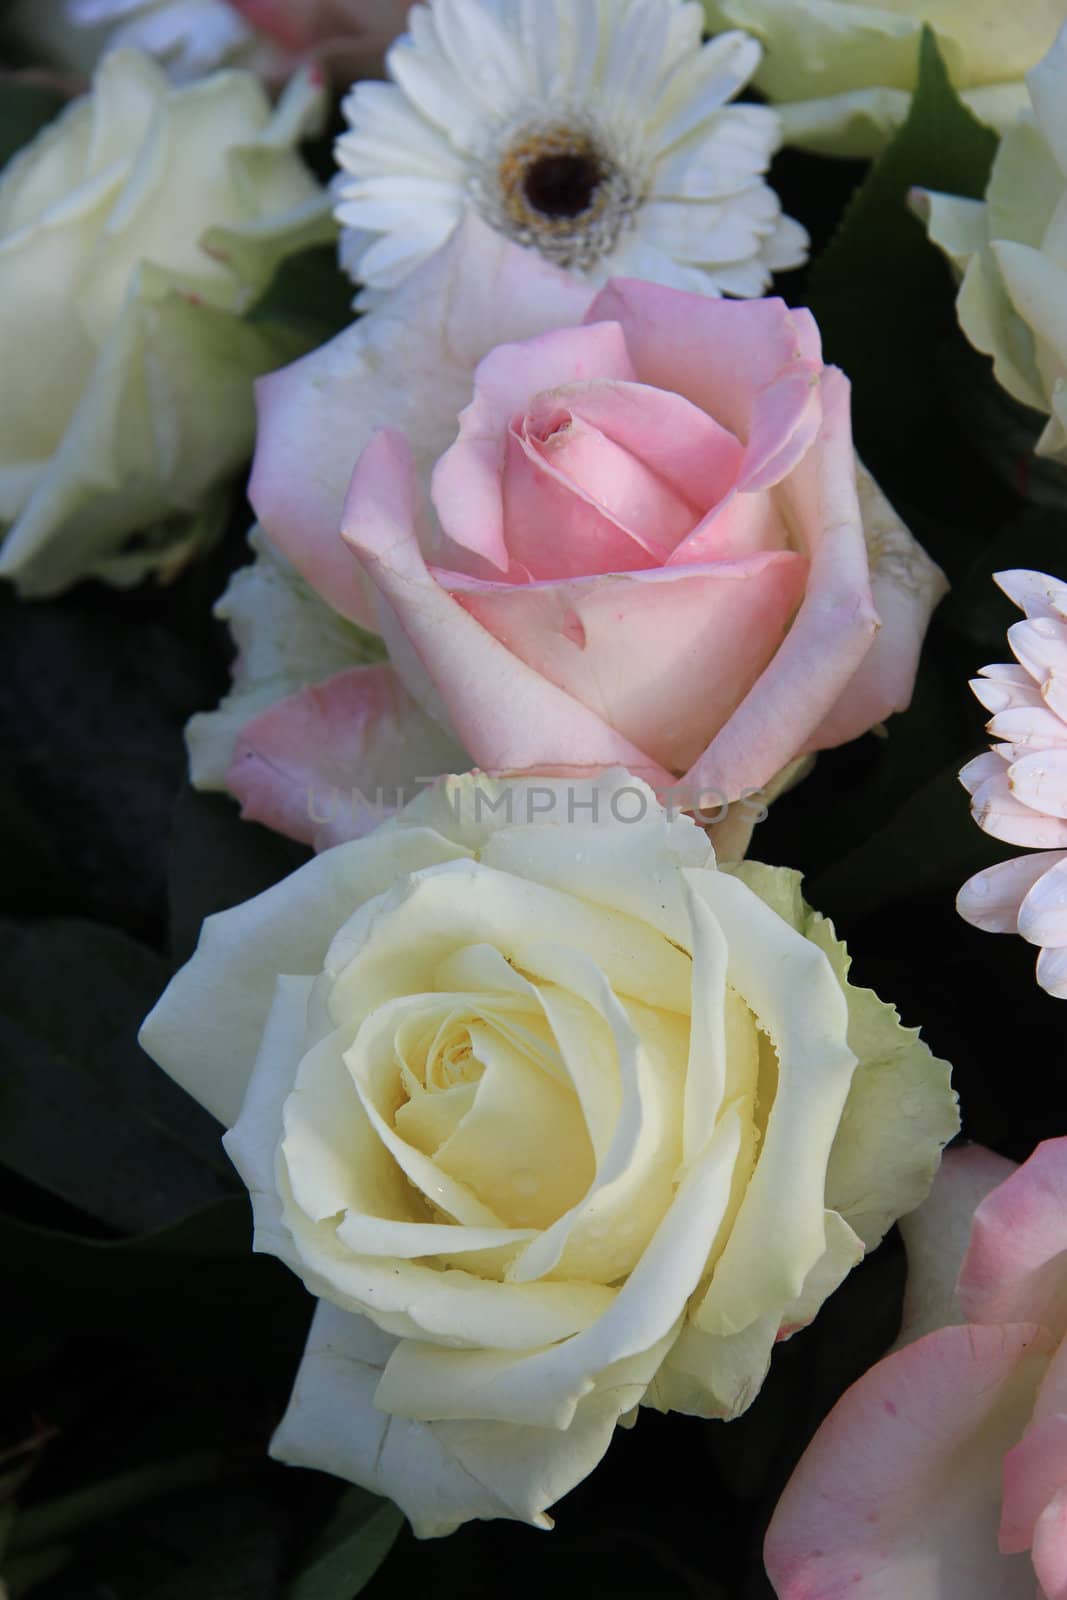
(497, 522)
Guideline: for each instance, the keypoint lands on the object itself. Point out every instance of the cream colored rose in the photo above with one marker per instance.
(1011, 252)
(134, 232)
(555, 1118)
(841, 72)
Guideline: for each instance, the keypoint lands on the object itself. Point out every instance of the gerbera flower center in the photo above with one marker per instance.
(557, 188)
(563, 183)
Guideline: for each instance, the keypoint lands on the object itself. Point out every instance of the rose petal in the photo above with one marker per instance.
(328, 763)
(1049, 1552)
(669, 335)
(898, 1493)
(477, 292)
(831, 633)
(937, 1234)
(507, 717)
(205, 1030)
(1014, 1267)
(467, 491)
(660, 656)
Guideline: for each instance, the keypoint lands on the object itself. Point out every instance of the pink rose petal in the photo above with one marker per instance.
(508, 718)
(897, 1497)
(645, 652)
(691, 452)
(1034, 1471)
(558, 528)
(466, 480)
(1016, 1267)
(1050, 1548)
(330, 762)
(409, 365)
(719, 354)
(832, 632)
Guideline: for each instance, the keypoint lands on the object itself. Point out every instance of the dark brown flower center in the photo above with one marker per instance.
(563, 185)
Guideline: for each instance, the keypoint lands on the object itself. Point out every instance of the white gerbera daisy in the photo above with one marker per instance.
(594, 131)
(190, 38)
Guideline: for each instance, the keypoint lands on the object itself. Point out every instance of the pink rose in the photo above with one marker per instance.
(634, 532)
(350, 37)
(942, 1473)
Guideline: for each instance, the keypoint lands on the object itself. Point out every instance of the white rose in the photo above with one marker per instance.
(134, 232)
(1010, 252)
(555, 1119)
(841, 72)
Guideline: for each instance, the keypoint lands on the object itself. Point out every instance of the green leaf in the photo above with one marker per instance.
(83, 1112)
(309, 294)
(350, 1550)
(60, 1520)
(25, 108)
(218, 861)
(193, 1290)
(885, 302)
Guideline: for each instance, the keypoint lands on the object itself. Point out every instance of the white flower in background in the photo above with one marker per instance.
(188, 37)
(1011, 250)
(1018, 788)
(135, 231)
(841, 72)
(594, 131)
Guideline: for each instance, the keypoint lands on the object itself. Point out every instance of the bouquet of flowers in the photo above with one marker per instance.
(504, 507)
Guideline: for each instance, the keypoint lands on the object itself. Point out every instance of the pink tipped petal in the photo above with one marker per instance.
(1028, 724)
(1039, 780)
(1034, 592)
(991, 900)
(557, 528)
(407, 364)
(507, 717)
(1043, 913)
(466, 480)
(1052, 973)
(1002, 815)
(999, 688)
(645, 652)
(832, 631)
(897, 1496)
(1016, 1267)
(979, 771)
(719, 354)
(1034, 1472)
(1041, 647)
(331, 762)
(1049, 1552)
